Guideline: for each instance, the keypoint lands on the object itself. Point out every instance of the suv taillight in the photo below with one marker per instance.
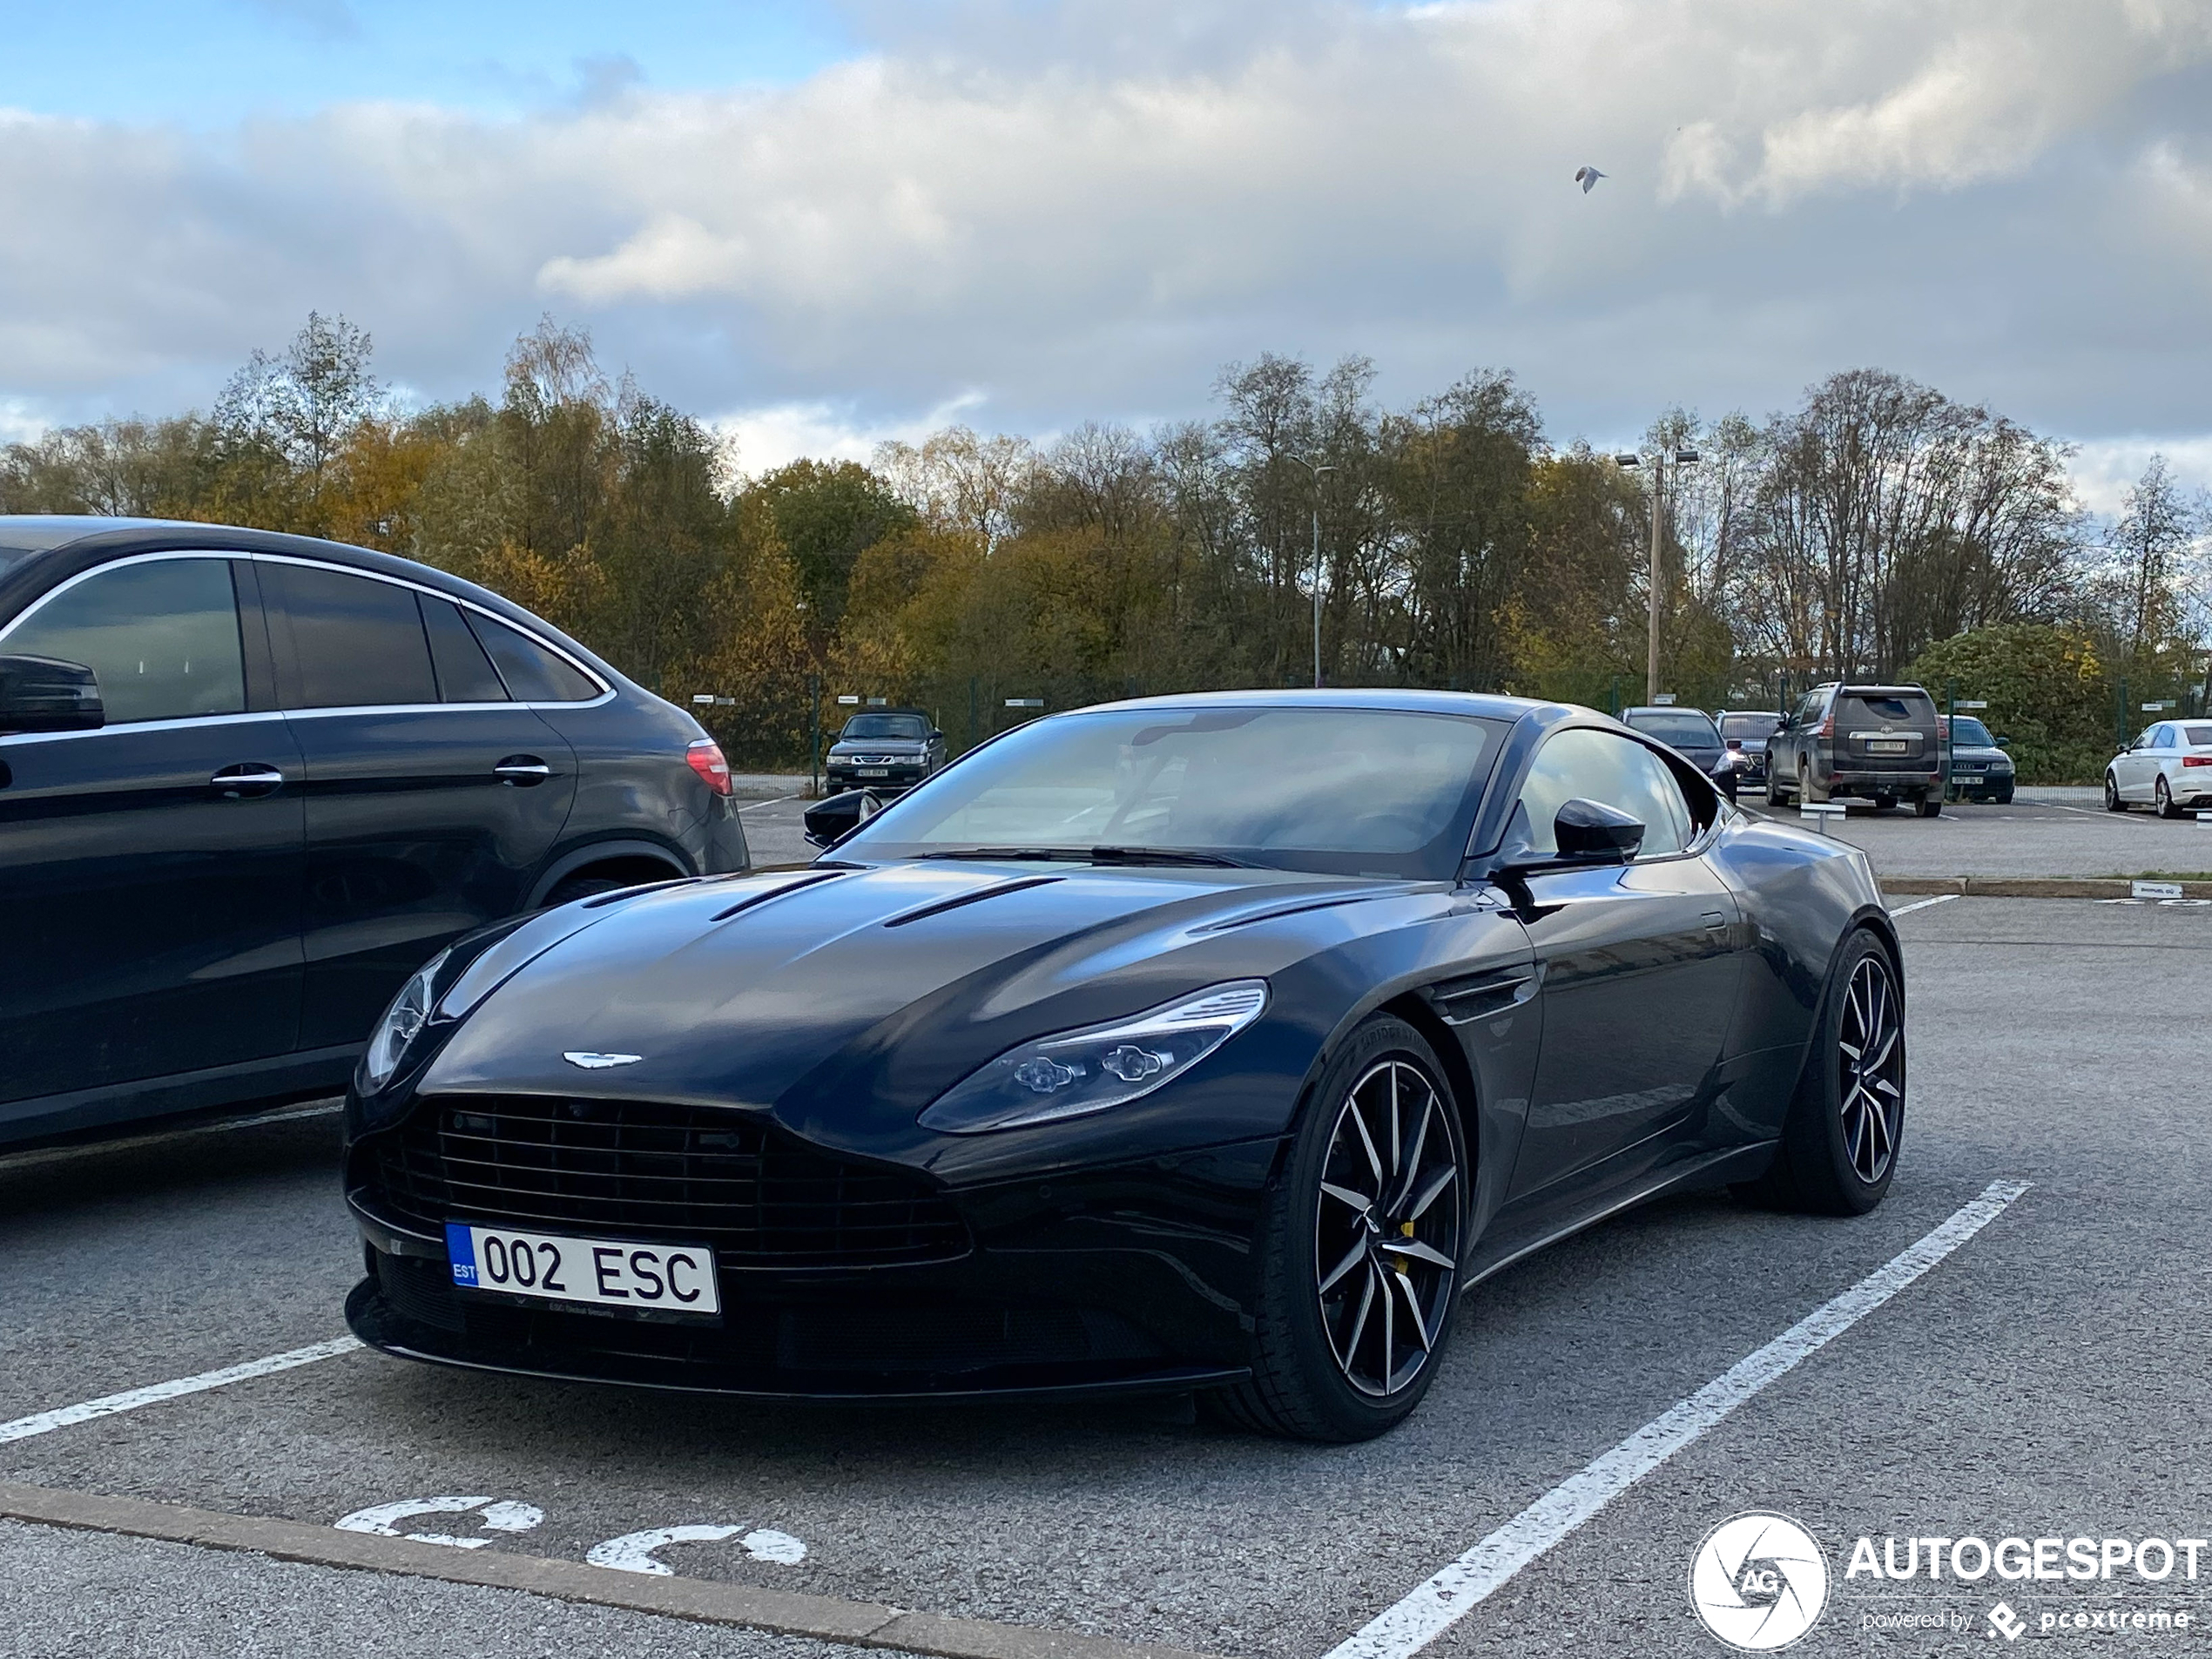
(1827, 728)
(705, 756)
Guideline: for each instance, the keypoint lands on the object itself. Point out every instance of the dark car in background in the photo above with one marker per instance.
(1980, 770)
(884, 750)
(1691, 733)
(1879, 743)
(1124, 1057)
(249, 782)
(1746, 732)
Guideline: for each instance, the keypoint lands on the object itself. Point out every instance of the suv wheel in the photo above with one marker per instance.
(1928, 807)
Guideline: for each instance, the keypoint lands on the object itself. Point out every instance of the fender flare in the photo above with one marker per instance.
(598, 853)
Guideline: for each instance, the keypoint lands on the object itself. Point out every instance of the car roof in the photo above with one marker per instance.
(1401, 699)
(1666, 708)
(44, 532)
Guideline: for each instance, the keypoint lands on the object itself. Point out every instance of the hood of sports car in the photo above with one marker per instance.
(767, 990)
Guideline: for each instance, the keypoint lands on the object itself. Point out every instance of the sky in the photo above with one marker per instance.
(825, 224)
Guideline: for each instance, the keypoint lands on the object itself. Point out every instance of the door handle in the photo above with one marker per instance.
(1714, 921)
(520, 772)
(246, 780)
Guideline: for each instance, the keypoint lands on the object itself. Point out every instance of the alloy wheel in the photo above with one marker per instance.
(1387, 1227)
(2113, 803)
(1870, 1058)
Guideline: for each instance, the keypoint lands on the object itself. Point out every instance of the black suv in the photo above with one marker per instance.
(1877, 742)
(885, 750)
(249, 782)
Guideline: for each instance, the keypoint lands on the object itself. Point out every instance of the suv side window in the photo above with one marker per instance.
(465, 674)
(1613, 769)
(163, 637)
(356, 643)
(1809, 711)
(533, 674)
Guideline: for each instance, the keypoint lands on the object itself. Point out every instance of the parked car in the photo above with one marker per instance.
(2168, 767)
(249, 782)
(1746, 730)
(884, 750)
(1691, 733)
(1980, 770)
(1879, 743)
(1123, 1056)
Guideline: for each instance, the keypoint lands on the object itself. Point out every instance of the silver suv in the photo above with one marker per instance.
(1877, 742)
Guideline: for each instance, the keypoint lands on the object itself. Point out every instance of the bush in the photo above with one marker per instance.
(2046, 689)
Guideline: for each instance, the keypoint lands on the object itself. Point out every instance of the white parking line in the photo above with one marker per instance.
(1922, 904)
(222, 1126)
(153, 1393)
(1435, 1606)
(777, 801)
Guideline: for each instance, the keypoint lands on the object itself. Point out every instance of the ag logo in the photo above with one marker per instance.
(1758, 1582)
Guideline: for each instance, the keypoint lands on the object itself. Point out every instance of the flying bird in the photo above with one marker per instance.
(1587, 177)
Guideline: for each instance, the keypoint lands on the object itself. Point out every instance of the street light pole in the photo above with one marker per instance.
(1681, 458)
(1317, 469)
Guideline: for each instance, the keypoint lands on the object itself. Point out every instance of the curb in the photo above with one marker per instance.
(703, 1601)
(2030, 887)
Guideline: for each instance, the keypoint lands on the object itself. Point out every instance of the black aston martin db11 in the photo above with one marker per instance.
(1210, 1044)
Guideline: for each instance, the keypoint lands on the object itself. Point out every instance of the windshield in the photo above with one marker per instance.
(911, 727)
(1749, 728)
(1360, 792)
(1684, 728)
(1969, 733)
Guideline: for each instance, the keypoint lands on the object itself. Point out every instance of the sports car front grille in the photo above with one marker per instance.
(648, 1170)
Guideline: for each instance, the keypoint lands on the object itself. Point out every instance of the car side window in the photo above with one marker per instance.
(465, 674)
(1602, 766)
(2164, 738)
(356, 643)
(533, 674)
(163, 637)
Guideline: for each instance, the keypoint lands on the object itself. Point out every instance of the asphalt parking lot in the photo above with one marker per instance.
(2040, 832)
(2049, 1376)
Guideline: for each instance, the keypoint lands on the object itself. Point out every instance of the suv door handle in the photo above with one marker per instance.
(521, 772)
(246, 780)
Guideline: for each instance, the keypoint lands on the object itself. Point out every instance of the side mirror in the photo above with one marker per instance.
(935, 736)
(2003, 742)
(830, 821)
(44, 694)
(1589, 831)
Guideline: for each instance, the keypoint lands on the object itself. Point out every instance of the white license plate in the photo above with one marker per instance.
(600, 1272)
(1895, 746)
(873, 772)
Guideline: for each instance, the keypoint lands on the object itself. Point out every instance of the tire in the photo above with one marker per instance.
(1839, 1152)
(1806, 790)
(1928, 807)
(1321, 1370)
(2113, 803)
(2163, 798)
(583, 886)
(2004, 800)
(1775, 797)
(1886, 803)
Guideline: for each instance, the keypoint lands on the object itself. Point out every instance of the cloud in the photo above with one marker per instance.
(770, 436)
(1081, 208)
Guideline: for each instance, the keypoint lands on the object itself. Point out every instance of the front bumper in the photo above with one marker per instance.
(1133, 1277)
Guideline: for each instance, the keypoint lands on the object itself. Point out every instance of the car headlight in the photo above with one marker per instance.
(1079, 1072)
(401, 1024)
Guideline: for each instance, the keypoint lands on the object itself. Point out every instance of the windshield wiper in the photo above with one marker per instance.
(1093, 855)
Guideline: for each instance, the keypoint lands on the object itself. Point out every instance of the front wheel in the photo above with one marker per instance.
(1840, 1142)
(1360, 1248)
(2113, 803)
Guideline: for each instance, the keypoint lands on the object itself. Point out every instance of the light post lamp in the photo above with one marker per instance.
(1681, 458)
(1316, 468)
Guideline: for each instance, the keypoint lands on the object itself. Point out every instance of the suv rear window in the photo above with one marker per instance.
(1866, 705)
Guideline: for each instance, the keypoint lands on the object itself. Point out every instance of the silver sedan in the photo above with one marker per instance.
(2169, 766)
